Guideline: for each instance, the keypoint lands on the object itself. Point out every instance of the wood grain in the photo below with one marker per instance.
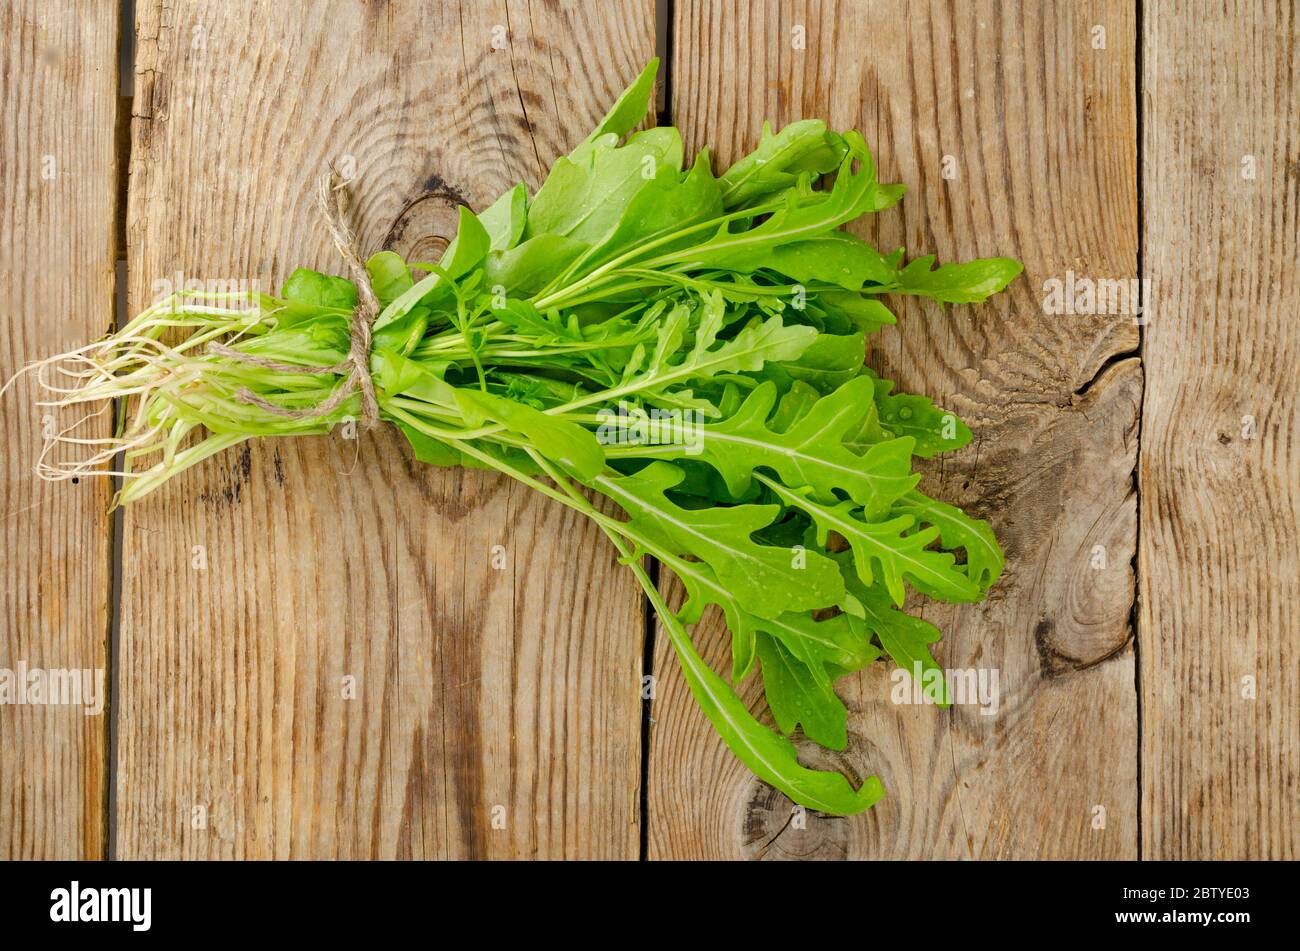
(1220, 473)
(496, 702)
(58, 81)
(1041, 129)
(497, 709)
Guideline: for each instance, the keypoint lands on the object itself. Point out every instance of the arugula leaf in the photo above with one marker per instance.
(964, 283)
(769, 580)
(794, 405)
(984, 559)
(389, 276)
(399, 376)
(629, 109)
(810, 453)
(796, 697)
(568, 444)
(504, 219)
(468, 249)
(771, 757)
(903, 414)
(404, 334)
(584, 199)
(430, 450)
(904, 637)
(526, 268)
(886, 546)
(837, 258)
(831, 647)
(800, 217)
(758, 343)
(322, 290)
(865, 313)
(832, 361)
(462, 256)
(663, 207)
(806, 146)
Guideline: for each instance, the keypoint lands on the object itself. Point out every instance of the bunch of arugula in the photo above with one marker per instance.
(630, 289)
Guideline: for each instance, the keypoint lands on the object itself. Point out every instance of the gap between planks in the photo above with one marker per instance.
(1134, 614)
(121, 315)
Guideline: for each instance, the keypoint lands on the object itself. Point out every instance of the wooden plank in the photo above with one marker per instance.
(58, 80)
(1041, 129)
(477, 686)
(1220, 475)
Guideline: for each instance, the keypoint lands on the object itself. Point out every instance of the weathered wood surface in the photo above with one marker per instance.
(58, 84)
(497, 709)
(1041, 131)
(487, 677)
(1220, 472)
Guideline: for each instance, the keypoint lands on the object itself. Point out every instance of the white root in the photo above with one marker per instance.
(132, 369)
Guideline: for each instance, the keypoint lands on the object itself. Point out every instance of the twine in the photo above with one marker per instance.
(333, 206)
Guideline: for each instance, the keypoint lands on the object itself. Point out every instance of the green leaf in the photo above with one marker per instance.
(468, 249)
(630, 107)
(865, 313)
(423, 289)
(836, 257)
(668, 203)
(504, 219)
(800, 218)
(403, 334)
(830, 648)
(566, 443)
(397, 375)
(810, 453)
(770, 756)
(832, 361)
(702, 589)
(904, 637)
(795, 403)
(803, 146)
(430, 450)
(389, 276)
(758, 343)
(465, 253)
(796, 697)
(885, 548)
(903, 414)
(967, 283)
(549, 328)
(585, 200)
(768, 580)
(984, 559)
(323, 290)
(528, 267)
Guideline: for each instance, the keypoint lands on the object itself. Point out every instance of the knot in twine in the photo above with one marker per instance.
(333, 206)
